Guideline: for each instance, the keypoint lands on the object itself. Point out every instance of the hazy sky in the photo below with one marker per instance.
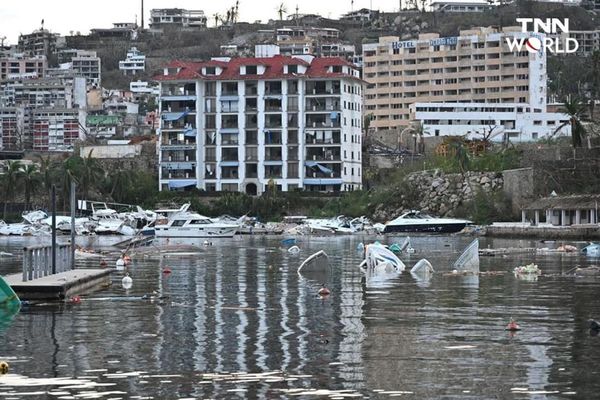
(62, 16)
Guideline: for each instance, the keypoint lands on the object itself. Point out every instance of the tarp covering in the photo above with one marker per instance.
(173, 116)
(322, 181)
(322, 168)
(229, 163)
(181, 184)
(189, 132)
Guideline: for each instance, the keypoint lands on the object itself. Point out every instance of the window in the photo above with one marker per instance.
(251, 70)
(293, 171)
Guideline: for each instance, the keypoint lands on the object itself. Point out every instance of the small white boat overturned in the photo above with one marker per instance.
(379, 259)
(469, 259)
(184, 223)
(416, 221)
(592, 250)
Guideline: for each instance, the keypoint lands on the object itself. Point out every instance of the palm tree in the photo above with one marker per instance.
(281, 10)
(11, 176)
(48, 170)
(31, 177)
(120, 180)
(87, 173)
(575, 109)
(217, 17)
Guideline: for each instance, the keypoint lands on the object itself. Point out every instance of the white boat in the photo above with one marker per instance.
(416, 221)
(422, 269)
(184, 223)
(34, 217)
(109, 222)
(592, 250)
(17, 229)
(379, 259)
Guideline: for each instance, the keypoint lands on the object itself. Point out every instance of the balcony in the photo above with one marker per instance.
(179, 165)
(229, 155)
(273, 154)
(178, 145)
(322, 121)
(178, 174)
(322, 138)
(323, 88)
(327, 154)
(314, 105)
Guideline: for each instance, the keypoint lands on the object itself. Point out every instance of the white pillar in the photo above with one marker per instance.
(563, 222)
(523, 216)
(577, 217)
(537, 217)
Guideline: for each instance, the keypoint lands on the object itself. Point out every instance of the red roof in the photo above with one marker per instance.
(274, 68)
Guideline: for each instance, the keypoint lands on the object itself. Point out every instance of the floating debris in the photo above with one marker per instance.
(316, 267)
(592, 250)
(294, 250)
(512, 326)
(422, 268)
(529, 269)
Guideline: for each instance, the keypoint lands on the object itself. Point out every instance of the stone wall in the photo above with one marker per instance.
(438, 193)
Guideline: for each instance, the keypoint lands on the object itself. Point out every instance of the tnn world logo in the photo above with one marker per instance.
(537, 43)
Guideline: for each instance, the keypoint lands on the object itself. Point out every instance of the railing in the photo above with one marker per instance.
(37, 261)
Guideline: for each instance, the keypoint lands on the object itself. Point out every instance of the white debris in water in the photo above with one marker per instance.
(527, 391)
(461, 347)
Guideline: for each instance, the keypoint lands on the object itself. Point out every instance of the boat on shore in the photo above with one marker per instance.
(416, 221)
(185, 223)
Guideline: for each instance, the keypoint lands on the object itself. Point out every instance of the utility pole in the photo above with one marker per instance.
(142, 15)
(53, 229)
(73, 224)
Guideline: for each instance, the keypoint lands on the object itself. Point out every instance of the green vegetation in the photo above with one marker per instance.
(493, 161)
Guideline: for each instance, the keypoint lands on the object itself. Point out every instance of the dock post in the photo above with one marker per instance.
(53, 229)
(73, 187)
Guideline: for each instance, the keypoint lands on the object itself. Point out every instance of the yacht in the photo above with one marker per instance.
(184, 223)
(416, 221)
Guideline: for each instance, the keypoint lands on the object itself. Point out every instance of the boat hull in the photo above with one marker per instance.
(185, 232)
(426, 228)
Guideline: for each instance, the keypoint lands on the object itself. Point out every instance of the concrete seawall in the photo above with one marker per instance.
(580, 232)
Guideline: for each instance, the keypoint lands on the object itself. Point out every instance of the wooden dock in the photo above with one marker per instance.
(60, 286)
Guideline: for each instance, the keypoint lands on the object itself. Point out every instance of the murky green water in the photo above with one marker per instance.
(238, 322)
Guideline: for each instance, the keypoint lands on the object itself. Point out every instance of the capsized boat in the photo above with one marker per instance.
(422, 268)
(416, 221)
(469, 259)
(379, 259)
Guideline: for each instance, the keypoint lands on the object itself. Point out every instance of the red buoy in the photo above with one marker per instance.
(103, 263)
(324, 291)
(513, 326)
(75, 300)
(167, 270)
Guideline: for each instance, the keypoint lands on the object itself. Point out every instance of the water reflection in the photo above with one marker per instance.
(241, 307)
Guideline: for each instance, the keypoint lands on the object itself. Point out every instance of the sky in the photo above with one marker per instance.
(63, 16)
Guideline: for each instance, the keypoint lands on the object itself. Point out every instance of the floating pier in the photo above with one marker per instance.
(60, 286)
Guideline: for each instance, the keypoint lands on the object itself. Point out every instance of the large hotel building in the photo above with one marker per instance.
(239, 124)
(487, 84)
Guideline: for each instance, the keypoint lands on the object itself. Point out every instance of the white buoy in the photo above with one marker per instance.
(120, 264)
(207, 243)
(127, 282)
(294, 250)
(410, 250)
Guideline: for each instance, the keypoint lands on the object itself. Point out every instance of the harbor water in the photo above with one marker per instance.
(237, 321)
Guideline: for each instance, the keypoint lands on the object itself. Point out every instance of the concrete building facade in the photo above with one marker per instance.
(134, 63)
(161, 18)
(21, 66)
(41, 42)
(239, 124)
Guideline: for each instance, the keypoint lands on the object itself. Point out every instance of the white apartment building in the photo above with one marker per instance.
(143, 87)
(237, 124)
(176, 17)
(134, 63)
(461, 6)
(496, 122)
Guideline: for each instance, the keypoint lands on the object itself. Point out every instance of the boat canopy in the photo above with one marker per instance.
(323, 169)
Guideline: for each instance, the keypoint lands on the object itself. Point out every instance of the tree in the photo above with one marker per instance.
(48, 173)
(31, 178)
(87, 173)
(281, 9)
(575, 109)
(11, 177)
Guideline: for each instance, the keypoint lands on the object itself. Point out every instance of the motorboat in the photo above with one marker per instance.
(416, 221)
(184, 223)
(17, 229)
(592, 250)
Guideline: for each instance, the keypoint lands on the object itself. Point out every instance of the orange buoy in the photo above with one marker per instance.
(167, 270)
(127, 259)
(103, 263)
(513, 326)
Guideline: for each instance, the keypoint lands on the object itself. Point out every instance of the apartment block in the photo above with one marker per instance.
(82, 63)
(11, 128)
(134, 63)
(239, 124)
(161, 18)
(589, 41)
(20, 66)
(475, 67)
(462, 6)
(56, 129)
(38, 43)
